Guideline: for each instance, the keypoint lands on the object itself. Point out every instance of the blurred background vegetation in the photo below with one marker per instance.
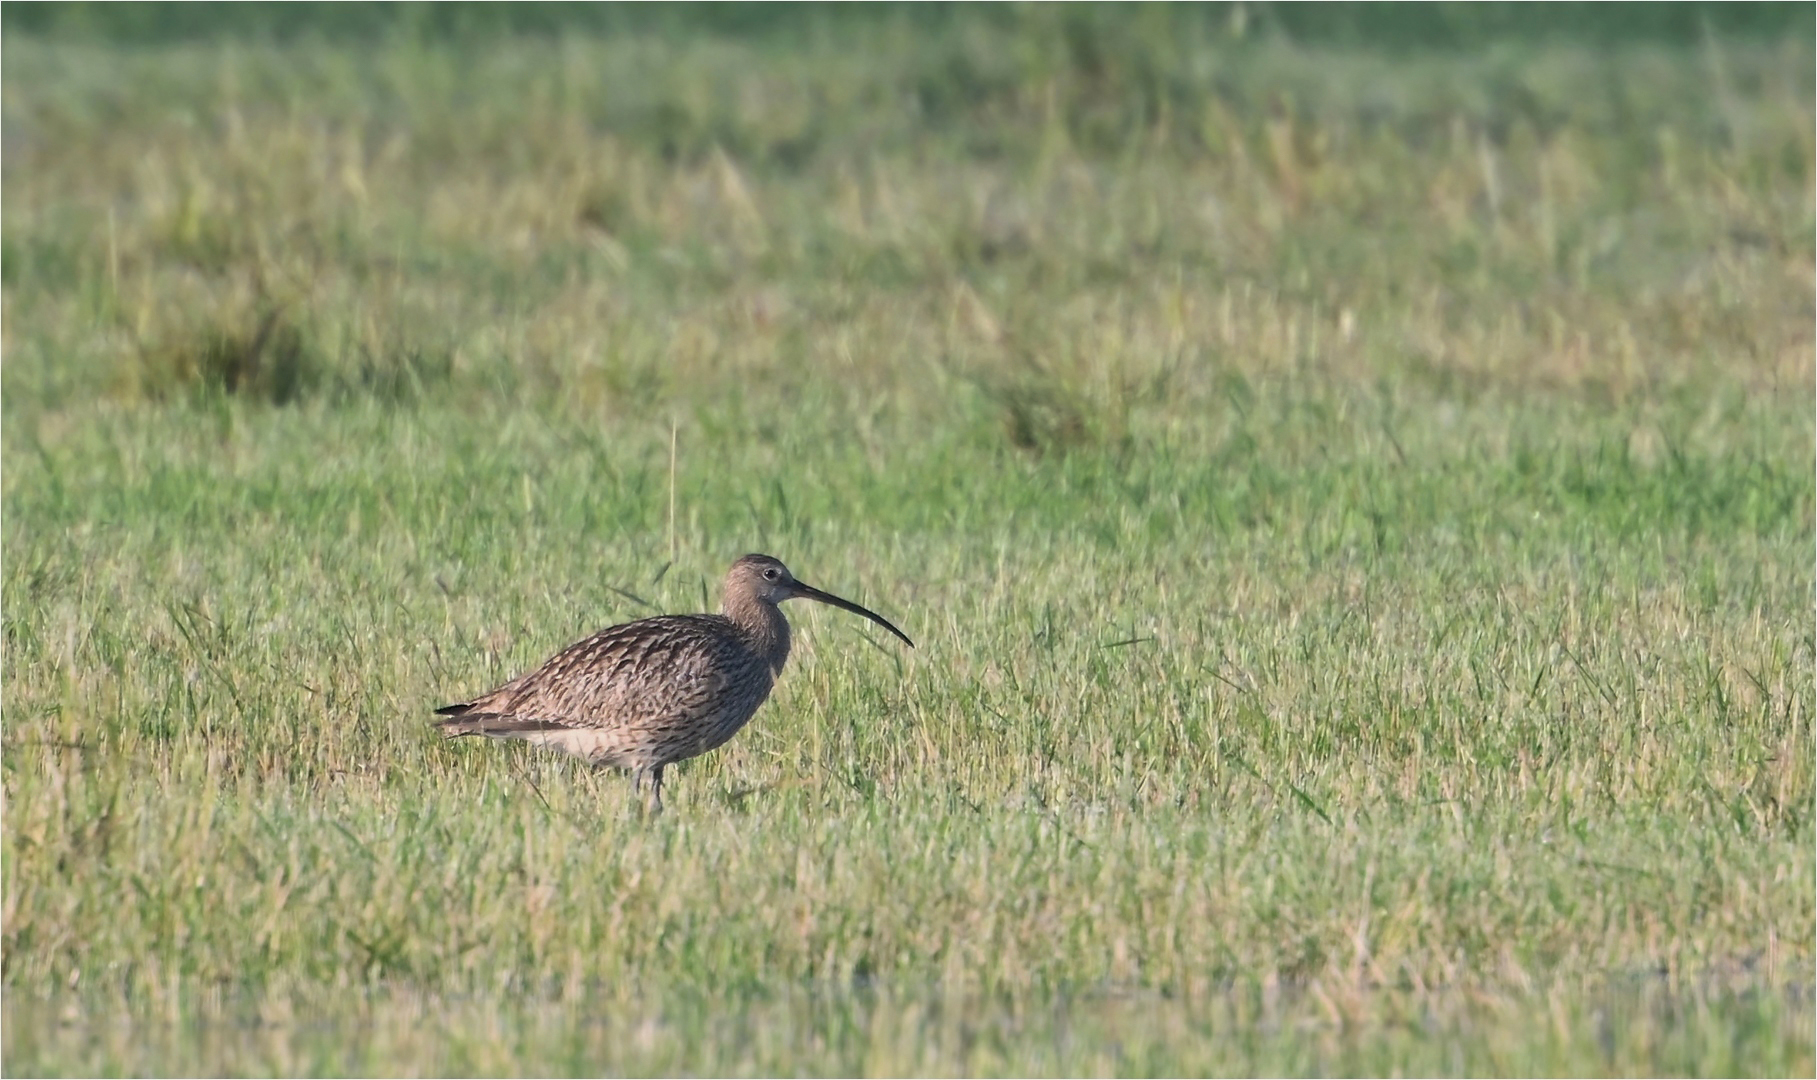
(348, 198)
(1349, 25)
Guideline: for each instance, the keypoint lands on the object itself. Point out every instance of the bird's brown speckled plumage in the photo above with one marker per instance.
(649, 693)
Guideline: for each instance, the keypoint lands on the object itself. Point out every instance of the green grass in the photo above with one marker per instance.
(1355, 511)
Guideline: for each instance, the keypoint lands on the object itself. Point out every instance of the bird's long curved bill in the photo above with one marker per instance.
(808, 592)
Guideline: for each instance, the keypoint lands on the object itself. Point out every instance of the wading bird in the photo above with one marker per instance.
(646, 694)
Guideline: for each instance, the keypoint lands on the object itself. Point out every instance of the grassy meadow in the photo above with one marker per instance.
(1354, 507)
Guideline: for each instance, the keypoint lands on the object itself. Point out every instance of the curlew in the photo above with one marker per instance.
(646, 694)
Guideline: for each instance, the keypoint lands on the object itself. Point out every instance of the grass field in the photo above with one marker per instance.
(1355, 508)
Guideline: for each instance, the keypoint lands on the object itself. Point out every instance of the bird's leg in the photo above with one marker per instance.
(656, 790)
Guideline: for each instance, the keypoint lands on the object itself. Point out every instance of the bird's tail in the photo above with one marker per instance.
(471, 719)
(461, 720)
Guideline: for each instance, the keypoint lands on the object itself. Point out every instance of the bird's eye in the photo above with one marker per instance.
(769, 574)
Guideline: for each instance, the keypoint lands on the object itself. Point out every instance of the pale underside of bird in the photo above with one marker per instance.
(643, 695)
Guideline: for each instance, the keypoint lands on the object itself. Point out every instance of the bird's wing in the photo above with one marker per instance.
(670, 666)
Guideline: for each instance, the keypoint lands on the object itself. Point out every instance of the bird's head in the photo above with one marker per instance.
(765, 579)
